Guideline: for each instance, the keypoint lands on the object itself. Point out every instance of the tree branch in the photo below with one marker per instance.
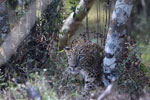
(107, 91)
(32, 93)
(72, 23)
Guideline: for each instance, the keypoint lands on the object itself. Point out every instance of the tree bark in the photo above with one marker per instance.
(72, 23)
(115, 39)
(144, 8)
(1, 1)
(21, 29)
(4, 22)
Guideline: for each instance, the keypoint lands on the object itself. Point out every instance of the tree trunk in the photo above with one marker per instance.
(115, 39)
(4, 22)
(72, 22)
(21, 29)
(1, 1)
(144, 8)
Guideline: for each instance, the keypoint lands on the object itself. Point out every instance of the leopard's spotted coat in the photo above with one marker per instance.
(84, 59)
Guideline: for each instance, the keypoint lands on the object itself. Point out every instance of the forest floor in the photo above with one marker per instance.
(52, 81)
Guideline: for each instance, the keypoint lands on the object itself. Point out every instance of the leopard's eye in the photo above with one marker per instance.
(81, 57)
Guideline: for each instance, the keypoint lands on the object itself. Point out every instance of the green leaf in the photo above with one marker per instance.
(143, 68)
(61, 51)
(74, 15)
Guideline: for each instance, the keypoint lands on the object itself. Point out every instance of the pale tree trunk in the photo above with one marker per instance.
(115, 39)
(22, 29)
(72, 23)
(144, 8)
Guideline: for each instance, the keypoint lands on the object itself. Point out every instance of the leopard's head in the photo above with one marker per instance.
(73, 60)
(78, 58)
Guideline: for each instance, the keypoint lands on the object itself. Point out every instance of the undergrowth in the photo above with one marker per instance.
(53, 83)
(41, 64)
(133, 73)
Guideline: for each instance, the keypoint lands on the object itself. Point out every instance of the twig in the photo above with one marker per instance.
(32, 93)
(107, 91)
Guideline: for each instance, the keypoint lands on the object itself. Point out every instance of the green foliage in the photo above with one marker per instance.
(145, 52)
(35, 52)
(53, 83)
(70, 5)
(143, 68)
(20, 13)
(35, 63)
(133, 73)
(12, 3)
(140, 22)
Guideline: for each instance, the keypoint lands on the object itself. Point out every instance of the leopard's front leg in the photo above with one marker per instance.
(89, 86)
(89, 79)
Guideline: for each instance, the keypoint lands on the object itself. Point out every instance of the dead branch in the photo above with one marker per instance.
(21, 29)
(32, 93)
(107, 92)
(72, 23)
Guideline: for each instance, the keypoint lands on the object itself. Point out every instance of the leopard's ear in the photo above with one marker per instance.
(67, 49)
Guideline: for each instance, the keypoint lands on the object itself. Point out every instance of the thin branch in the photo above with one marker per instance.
(72, 23)
(144, 8)
(32, 93)
(107, 91)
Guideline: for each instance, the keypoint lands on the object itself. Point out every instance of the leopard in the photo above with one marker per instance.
(84, 58)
